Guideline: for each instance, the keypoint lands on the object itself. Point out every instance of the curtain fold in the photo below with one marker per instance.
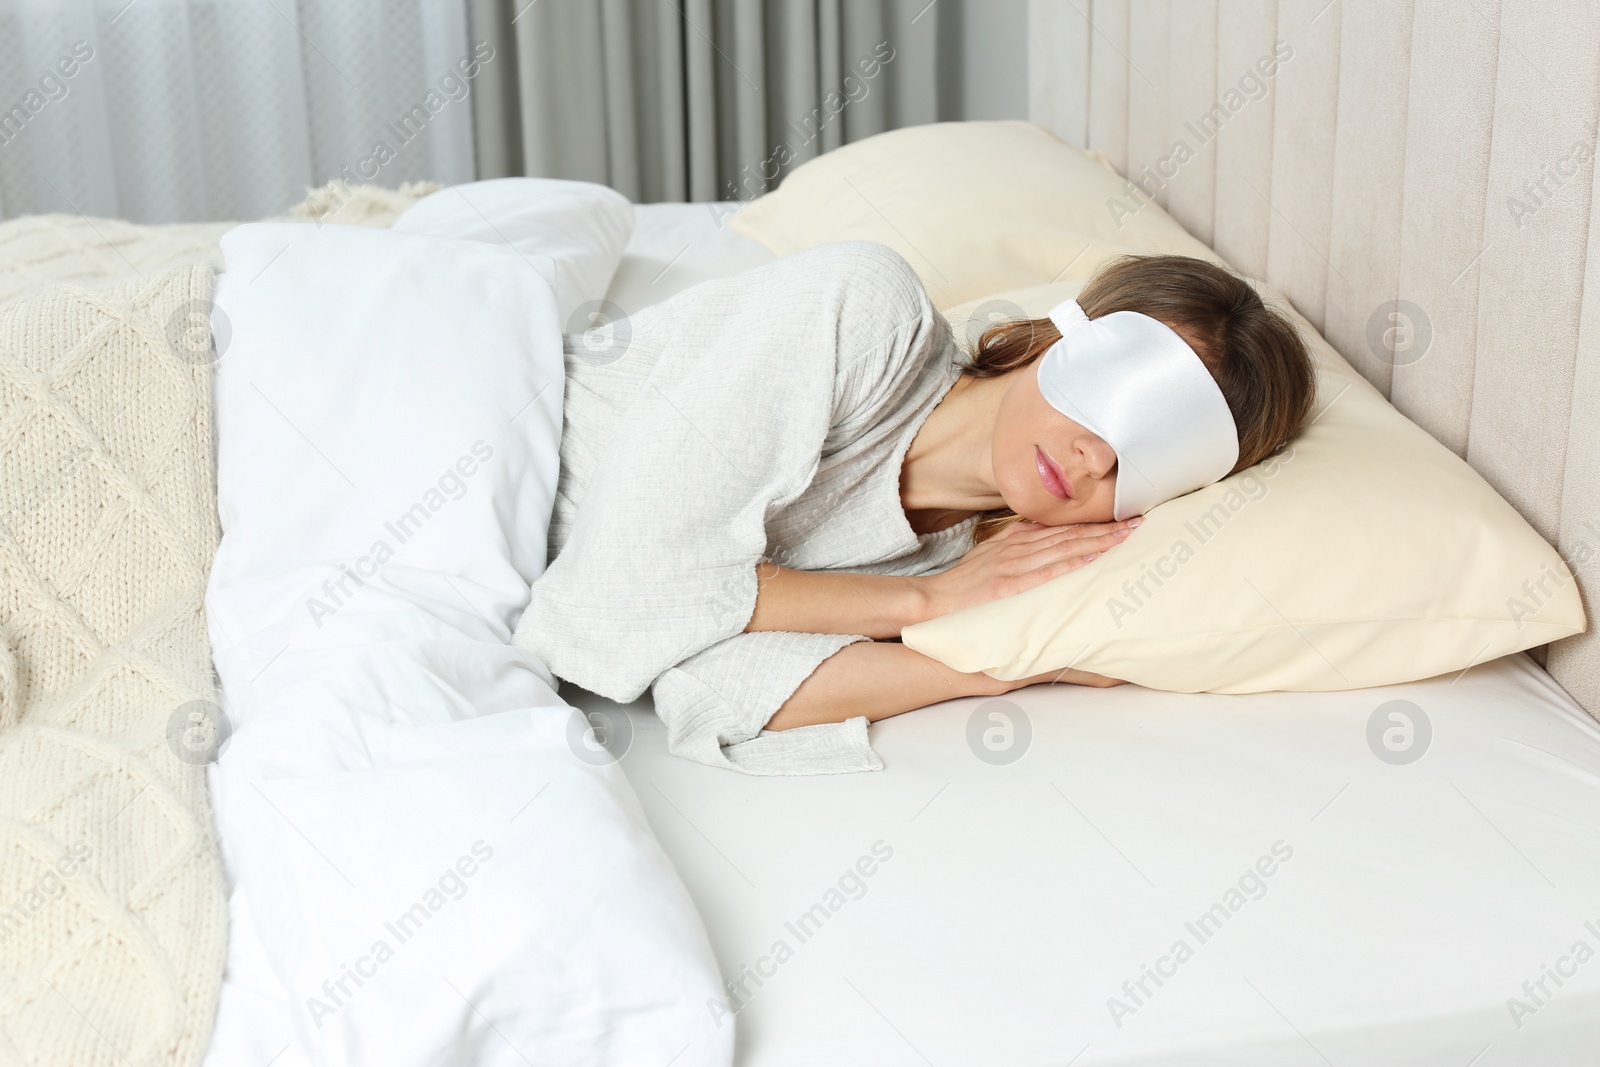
(194, 110)
(706, 99)
(197, 110)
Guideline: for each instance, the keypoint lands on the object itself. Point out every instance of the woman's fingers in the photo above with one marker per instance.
(1028, 532)
(1056, 559)
(1019, 579)
(1023, 556)
(1056, 568)
(1098, 681)
(1070, 676)
(1045, 551)
(1019, 530)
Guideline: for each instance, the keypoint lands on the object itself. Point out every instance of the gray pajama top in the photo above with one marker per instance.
(759, 416)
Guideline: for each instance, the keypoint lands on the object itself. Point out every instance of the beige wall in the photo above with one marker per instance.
(1434, 153)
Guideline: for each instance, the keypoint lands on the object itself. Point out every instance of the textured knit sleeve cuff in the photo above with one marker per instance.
(716, 703)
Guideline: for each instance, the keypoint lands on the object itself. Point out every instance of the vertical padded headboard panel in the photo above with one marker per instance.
(1418, 176)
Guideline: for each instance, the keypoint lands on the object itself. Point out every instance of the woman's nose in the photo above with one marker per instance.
(1098, 456)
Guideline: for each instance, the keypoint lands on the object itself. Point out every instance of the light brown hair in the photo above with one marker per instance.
(1258, 358)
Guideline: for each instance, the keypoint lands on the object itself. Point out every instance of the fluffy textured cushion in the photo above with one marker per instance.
(975, 207)
(1365, 553)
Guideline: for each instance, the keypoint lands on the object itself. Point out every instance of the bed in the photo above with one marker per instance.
(1405, 874)
(1426, 904)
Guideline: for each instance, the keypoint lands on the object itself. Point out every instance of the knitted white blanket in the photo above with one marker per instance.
(113, 917)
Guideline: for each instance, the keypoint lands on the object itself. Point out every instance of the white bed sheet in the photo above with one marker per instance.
(674, 246)
(1019, 898)
(1415, 902)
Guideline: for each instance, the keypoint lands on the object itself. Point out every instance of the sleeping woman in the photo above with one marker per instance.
(767, 476)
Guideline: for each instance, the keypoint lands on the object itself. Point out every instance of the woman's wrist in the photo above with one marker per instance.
(838, 602)
(897, 600)
(987, 686)
(917, 600)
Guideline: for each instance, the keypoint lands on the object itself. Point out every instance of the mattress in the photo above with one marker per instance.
(1400, 875)
(1159, 878)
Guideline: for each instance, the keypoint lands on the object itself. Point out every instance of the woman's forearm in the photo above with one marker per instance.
(835, 602)
(877, 679)
(881, 605)
(883, 678)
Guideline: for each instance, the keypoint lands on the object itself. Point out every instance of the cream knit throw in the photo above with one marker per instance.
(38, 251)
(113, 914)
(113, 919)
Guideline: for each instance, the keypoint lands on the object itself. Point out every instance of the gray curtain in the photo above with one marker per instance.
(703, 99)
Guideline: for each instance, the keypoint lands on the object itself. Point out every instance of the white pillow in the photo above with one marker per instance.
(571, 232)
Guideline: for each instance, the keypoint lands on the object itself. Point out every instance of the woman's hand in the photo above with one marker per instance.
(1069, 676)
(1020, 557)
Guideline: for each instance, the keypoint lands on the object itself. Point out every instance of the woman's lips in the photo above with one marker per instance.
(1055, 482)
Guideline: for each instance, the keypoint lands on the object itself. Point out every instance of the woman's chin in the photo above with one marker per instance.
(1056, 512)
(1037, 504)
(1050, 511)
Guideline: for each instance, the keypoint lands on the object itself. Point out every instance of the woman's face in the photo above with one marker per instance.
(1050, 469)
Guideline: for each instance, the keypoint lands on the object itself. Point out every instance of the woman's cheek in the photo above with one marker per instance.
(1023, 491)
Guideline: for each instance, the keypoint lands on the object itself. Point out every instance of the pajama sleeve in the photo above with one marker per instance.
(731, 402)
(716, 702)
(752, 376)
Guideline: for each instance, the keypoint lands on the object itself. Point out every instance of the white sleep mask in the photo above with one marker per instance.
(1130, 379)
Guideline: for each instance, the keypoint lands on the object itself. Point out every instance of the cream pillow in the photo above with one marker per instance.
(1365, 553)
(974, 207)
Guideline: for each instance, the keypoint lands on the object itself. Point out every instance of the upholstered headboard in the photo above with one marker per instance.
(1417, 176)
